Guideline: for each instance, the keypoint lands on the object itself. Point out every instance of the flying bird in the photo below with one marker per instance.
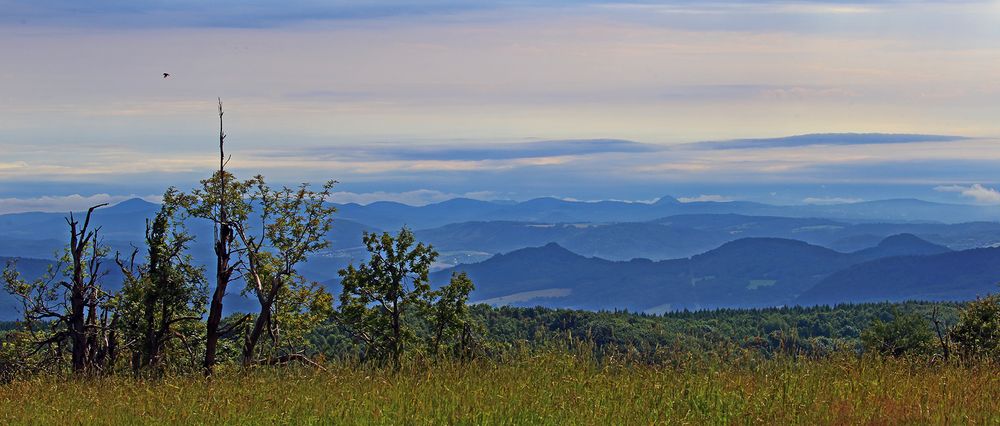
(166, 74)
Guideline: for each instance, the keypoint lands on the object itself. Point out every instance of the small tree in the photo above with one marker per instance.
(450, 315)
(293, 223)
(906, 334)
(977, 333)
(378, 295)
(162, 300)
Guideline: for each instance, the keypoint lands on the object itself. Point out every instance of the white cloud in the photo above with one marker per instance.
(831, 200)
(977, 192)
(705, 197)
(418, 197)
(65, 203)
(600, 200)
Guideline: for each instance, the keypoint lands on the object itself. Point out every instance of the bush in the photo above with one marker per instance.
(905, 334)
(977, 333)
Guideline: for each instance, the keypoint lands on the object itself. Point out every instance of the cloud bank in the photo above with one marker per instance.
(471, 152)
(977, 192)
(831, 200)
(827, 139)
(418, 197)
(705, 197)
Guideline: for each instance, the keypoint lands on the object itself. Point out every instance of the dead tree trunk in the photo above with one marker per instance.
(223, 270)
(80, 237)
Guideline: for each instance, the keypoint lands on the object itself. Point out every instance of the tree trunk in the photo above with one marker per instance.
(78, 331)
(263, 319)
(215, 310)
(222, 271)
(258, 329)
(77, 322)
(148, 353)
(397, 344)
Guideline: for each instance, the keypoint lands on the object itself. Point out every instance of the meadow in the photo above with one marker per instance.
(532, 387)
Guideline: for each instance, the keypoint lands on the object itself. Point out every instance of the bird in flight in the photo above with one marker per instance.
(166, 74)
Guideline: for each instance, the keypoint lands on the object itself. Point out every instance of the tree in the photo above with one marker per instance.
(450, 315)
(221, 199)
(977, 333)
(163, 299)
(905, 334)
(77, 311)
(378, 294)
(293, 223)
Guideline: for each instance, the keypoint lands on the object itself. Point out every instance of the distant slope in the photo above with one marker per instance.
(592, 283)
(902, 245)
(686, 235)
(614, 241)
(960, 275)
(388, 215)
(750, 272)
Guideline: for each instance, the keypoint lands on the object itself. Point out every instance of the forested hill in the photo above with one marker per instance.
(753, 272)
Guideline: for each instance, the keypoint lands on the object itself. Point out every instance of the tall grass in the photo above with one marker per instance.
(543, 387)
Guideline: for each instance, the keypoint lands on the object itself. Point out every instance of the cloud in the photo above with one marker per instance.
(419, 197)
(833, 139)
(705, 197)
(223, 13)
(731, 92)
(977, 192)
(831, 200)
(473, 152)
(266, 13)
(65, 203)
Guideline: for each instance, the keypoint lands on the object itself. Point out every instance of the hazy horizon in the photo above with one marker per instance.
(422, 101)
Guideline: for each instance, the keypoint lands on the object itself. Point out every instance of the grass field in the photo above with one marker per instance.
(547, 388)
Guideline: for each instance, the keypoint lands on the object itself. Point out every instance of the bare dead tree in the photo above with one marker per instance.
(223, 254)
(83, 290)
(77, 311)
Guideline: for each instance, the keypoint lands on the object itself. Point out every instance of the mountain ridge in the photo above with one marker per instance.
(750, 272)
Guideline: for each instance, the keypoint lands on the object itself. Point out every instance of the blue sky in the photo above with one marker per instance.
(422, 100)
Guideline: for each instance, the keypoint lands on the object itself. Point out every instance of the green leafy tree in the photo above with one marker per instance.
(905, 334)
(450, 317)
(293, 223)
(379, 294)
(162, 300)
(977, 333)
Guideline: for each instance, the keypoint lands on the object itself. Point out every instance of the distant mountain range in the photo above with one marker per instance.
(750, 272)
(473, 230)
(687, 235)
(390, 215)
(593, 254)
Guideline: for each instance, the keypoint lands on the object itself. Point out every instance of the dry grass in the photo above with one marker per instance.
(547, 388)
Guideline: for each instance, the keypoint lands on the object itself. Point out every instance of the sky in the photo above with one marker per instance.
(424, 100)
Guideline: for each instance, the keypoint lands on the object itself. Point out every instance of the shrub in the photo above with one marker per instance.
(977, 333)
(905, 334)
